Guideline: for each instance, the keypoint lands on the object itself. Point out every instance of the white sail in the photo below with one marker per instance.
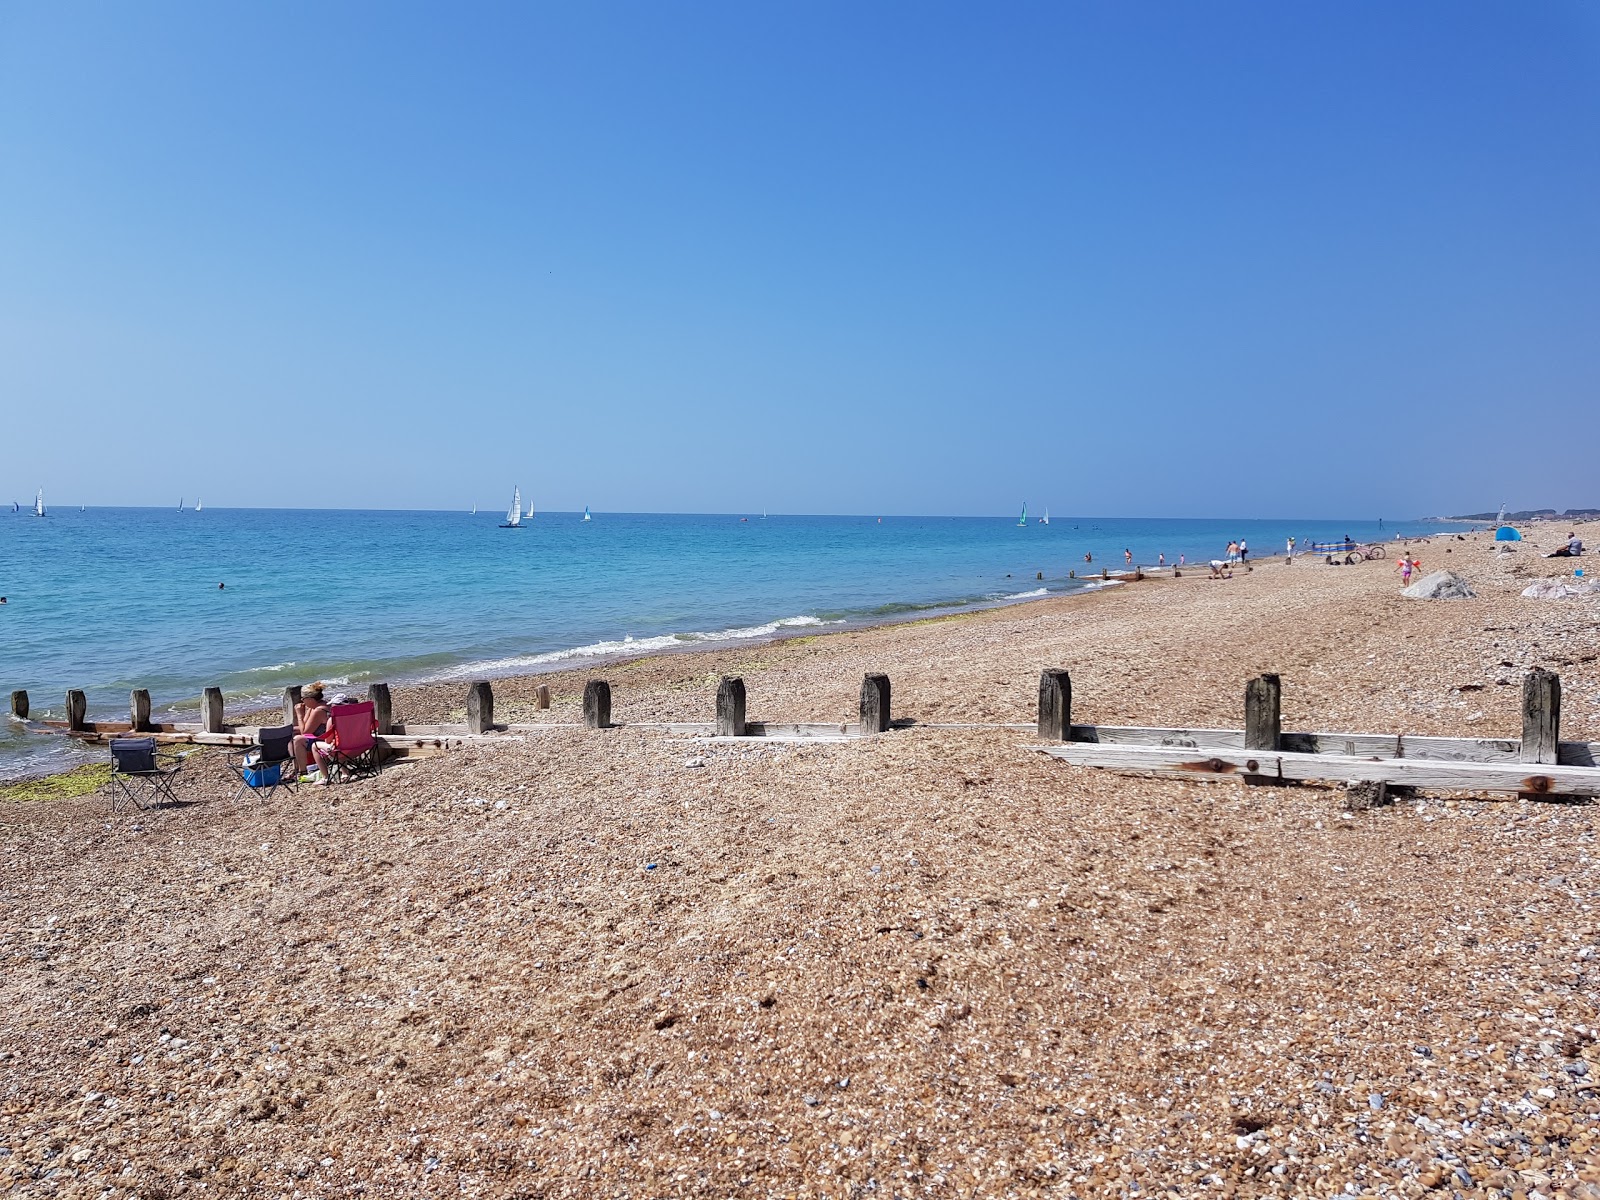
(199, 505)
(180, 503)
(514, 513)
(38, 504)
(529, 514)
(1045, 520)
(586, 515)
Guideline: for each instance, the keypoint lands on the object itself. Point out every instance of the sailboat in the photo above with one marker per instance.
(1045, 520)
(83, 508)
(586, 515)
(15, 507)
(528, 516)
(763, 514)
(180, 503)
(199, 505)
(514, 513)
(1022, 521)
(474, 511)
(38, 504)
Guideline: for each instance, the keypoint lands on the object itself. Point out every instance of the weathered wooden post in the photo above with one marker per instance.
(480, 708)
(730, 707)
(1541, 716)
(875, 704)
(382, 707)
(1262, 713)
(542, 695)
(139, 709)
(1055, 705)
(19, 705)
(597, 704)
(77, 709)
(291, 700)
(211, 710)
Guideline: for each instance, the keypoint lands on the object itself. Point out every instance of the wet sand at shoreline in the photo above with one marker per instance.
(935, 963)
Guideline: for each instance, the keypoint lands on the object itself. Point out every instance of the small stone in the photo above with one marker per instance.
(1375, 1101)
(694, 762)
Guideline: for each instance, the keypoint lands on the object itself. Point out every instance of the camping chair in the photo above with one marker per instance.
(268, 765)
(352, 747)
(137, 774)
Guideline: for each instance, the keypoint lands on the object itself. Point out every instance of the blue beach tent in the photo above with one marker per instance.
(1507, 534)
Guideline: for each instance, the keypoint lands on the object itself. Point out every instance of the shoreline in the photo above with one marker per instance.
(432, 699)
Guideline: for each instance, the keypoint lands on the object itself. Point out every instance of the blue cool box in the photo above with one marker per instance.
(263, 776)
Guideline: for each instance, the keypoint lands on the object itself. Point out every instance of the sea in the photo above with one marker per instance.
(111, 599)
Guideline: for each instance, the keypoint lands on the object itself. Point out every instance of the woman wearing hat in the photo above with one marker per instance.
(310, 725)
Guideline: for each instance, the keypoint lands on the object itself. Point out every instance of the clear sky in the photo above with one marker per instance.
(1187, 259)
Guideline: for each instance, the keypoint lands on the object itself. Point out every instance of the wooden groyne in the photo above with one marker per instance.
(1537, 764)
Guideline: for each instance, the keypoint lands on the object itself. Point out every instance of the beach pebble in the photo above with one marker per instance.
(694, 762)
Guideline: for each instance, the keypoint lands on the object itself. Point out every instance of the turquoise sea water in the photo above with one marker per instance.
(112, 599)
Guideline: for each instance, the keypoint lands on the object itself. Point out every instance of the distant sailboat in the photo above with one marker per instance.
(180, 503)
(83, 508)
(15, 507)
(474, 511)
(38, 504)
(529, 515)
(1022, 521)
(1045, 520)
(514, 513)
(199, 505)
(763, 514)
(586, 515)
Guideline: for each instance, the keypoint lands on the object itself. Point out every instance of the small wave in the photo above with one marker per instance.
(630, 646)
(1023, 595)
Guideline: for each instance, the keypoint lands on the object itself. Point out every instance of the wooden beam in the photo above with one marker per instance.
(77, 708)
(1263, 723)
(291, 701)
(1541, 716)
(875, 704)
(730, 707)
(139, 710)
(1055, 704)
(542, 695)
(382, 706)
(480, 708)
(1217, 762)
(597, 704)
(19, 705)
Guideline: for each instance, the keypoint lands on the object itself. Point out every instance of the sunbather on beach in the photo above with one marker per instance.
(310, 724)
(1572, 549)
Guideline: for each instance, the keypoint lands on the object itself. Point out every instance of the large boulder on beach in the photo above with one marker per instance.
(1560, 589)
(1441, 585)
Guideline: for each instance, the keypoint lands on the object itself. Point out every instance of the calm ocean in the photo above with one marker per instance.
(112, 599)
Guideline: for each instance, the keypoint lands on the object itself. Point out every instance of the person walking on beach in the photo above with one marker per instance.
(1233, 552)
(1405, 571)
(310, 724)
(1161, 559)
(1244, 550)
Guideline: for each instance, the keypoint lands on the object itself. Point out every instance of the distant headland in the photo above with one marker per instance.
(1529, 514)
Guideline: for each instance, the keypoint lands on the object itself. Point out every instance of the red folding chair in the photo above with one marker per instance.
(351, 747)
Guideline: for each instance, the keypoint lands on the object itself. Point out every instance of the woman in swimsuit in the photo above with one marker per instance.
(310, 724)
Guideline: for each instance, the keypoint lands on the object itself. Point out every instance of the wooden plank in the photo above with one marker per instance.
(597, 704)
(1461, 749)
(1359, 745)
(730, 707)
(1263, 722)
(1579, 754)
(874, 704)
(19, 705)
(542, 695)
(77, 709)
(1541, 716)
(1055, 704)
(291, 701)
(1218, 762)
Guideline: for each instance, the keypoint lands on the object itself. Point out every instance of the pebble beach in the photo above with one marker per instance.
(632, 963)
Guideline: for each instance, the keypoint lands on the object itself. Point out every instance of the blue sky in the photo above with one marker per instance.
(1321, 259)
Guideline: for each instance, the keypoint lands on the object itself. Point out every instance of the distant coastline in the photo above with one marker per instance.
(1528, 514)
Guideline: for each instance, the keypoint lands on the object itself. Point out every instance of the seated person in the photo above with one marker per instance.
(310, 726)
(1572, 549)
